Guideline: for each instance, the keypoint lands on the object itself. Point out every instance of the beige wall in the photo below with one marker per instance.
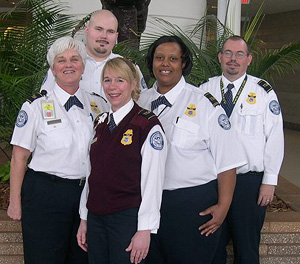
(278, 30)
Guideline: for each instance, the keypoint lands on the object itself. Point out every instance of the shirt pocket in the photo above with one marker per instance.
(250, 122)
(186, 135)
(58, 135)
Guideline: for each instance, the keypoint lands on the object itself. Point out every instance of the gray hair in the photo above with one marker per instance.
(62, 44)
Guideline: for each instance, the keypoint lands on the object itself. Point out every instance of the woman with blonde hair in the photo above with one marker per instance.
(121, 200)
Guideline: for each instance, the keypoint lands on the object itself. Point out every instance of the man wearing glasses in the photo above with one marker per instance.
(255, 114)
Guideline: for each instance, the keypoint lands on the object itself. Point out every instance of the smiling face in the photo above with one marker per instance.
(67, 70)
(101, 35)
(167, 66)
(234, 67)
(117, 90)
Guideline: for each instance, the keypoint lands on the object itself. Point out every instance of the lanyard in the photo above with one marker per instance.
(238, 93)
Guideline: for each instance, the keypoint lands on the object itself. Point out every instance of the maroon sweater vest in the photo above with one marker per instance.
(115, 179)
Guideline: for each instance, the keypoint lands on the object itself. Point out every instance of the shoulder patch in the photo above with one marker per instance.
(267, 87)
(100, 119)
(212, 99)
(146, 113)
(36, 96)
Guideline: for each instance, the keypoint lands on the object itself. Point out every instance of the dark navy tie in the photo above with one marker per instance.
(73, 100)
(111, 125)
(160, 100)
(228, 104)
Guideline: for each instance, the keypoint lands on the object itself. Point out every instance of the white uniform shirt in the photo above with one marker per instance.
(197, 143)
(152, 177)
(257, 121)
(59, 143)
(91, 78)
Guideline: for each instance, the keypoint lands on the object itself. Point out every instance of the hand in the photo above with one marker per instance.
(139, 246)
(218, 215)
(81, 236)
(14, 210)
(266, 194)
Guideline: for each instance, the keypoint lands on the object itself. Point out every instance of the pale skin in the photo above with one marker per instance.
(18, 168)
(233, 68)
(67, 69)
(226, 184)
(118, 92)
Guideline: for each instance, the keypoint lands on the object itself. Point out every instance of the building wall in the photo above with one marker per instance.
(278, 30)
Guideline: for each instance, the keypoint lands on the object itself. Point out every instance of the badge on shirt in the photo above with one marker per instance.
(127, 137)
(94, 107)
(48, 109)
(274, 107)
(157, 141)
(251, 99)
(224, 122)
(190, 110)
(22, 119)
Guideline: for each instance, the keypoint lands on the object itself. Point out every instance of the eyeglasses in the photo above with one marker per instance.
(238, 55)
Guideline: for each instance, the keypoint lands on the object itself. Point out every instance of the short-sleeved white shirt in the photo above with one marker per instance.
(60, 142)
(199, 148)
(257, 122)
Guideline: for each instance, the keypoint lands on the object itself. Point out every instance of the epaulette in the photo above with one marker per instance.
(212, 99)
(202, 82)
(98, 95)
(146, 113)
(36, 96)
(267, 87)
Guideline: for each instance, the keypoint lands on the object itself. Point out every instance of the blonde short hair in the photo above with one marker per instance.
(126, 70)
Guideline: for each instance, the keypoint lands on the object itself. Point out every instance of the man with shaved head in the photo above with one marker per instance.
(101, 36)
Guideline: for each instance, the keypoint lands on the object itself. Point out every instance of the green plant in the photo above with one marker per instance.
(5, 172)
(26, 32)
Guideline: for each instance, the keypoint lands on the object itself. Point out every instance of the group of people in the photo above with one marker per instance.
(120, 173)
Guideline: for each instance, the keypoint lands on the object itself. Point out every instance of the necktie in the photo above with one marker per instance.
(111, 125)
(228, 104)
(160, 100)
(73, 100)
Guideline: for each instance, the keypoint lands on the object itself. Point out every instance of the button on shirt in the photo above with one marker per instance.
(91, 78)
(196, 141)
(59, 145)
(258, 130)
(152, 177)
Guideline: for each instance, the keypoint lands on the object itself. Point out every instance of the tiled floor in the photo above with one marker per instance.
(290, 169)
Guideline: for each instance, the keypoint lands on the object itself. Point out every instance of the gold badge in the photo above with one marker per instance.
(94, 107)
(190, 110)
(251, 99)
(127, 137)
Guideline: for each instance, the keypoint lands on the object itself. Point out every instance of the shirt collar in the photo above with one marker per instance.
(110, 56)
(237, 83)
(171, 95)
(122, 112)
(63, 96)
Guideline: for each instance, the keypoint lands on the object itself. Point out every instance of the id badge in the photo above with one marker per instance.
(48, 109)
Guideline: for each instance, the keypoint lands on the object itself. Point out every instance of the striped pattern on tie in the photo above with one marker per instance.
(160, 100)
(73, 100)
(111, 125)
(228, 104)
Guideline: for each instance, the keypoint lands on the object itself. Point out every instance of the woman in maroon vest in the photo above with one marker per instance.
(121, 201)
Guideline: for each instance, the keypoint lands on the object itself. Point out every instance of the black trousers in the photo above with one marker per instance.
(50, 220)
(109, 235)
(243, 222)
(178, 240)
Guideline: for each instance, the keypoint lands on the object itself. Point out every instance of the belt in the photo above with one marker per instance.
(54, 178)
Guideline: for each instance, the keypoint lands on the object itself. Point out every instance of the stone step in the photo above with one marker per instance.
(11, 259)
(11, 248)
(10, 237)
